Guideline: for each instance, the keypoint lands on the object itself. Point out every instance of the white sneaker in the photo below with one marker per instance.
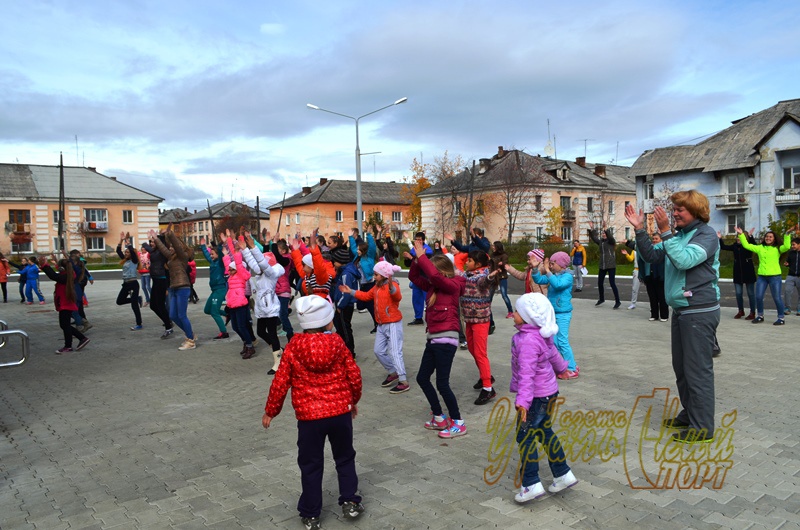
(632, 306)
(529, 493)
(563, 482)
(188, 344)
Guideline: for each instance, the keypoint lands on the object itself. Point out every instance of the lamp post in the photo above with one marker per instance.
(359, 209)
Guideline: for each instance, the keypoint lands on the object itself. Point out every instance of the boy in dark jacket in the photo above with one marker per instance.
(792, 285)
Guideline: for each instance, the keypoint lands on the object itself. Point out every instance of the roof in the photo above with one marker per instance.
(344, 191)
(33, 182)
(543, 172)
(734, 148)
(224, 209)
(175, 215)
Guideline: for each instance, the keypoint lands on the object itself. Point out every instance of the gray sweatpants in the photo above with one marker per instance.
(791, 288)
(693, 339)
(389, 348)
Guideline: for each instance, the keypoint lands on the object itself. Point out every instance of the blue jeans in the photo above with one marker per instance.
(178, 303)
(774, 283)
(751, 295)
(286, 324)
(538, 428)
(418, 301)
(239, 323)
(504, 294)
(146, 287)
(438, 358)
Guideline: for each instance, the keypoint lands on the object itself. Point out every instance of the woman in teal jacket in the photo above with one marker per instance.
(219, 287)
(769, 270)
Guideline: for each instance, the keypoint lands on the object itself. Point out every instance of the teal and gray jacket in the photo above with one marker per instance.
(691, 265)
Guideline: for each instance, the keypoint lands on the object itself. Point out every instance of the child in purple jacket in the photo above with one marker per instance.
(534, 364)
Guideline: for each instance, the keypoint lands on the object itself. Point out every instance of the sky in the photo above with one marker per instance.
(197, 99)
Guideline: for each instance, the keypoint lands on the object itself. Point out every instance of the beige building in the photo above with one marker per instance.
(331, 207)
(231, 214)
(539, 196)
(97, 209)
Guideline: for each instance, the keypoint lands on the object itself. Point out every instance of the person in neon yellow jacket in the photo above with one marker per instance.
(769, 270)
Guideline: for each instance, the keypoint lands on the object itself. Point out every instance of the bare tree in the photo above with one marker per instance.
(520, 179)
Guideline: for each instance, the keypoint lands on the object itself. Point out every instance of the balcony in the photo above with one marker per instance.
(18, 228)
(568, 215)
(787, 196)
(733, 201)
(95, 226)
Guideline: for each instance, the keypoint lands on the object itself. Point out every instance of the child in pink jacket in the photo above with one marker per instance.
(236, 298)
(534, 364)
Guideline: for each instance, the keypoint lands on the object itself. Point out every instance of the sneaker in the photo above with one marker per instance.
(146, 304)
(390, 379)
(563, 482)
(779, 322)
(221, 336)
(479, 384)
(567, 374)
(82, 344)
(578, 290)
(485, 396)
(463, 345)
(674, 423)
(617, 304)
(510, 314)
(664, 319)
(632, 306)
(400, 388)
(599, 302)
(374, 330)
(529, 493)
(167, 333)
(28, 303)
(416, 322)
(64, 350)
(652, 319)
(351, 510)
(362, 310)
(758, 320)
(454, 430)
(311, 523)
(491, 329)
(798, 313)
(281, 333)
(42, 302)
(137, 327)
(434, 425)
(692, 436)
(188, 344)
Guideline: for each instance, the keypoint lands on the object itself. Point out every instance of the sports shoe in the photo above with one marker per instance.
(485, 396)
(563, 482)
(400, 388)
(64, 350)
(188, 344)
(42, 302)
(146, 304)
(652, 319)
(454, 430)
(82, 344)
(632, 306)
(674, 423)
(416, 322)
(351, 510)
(568, 374)
(798, 313)
(739, 315)
(167, 333)
(28, 303)
(664, 319)
(374, 330)
(137, 327)
(434, 425)
(463, 345)
(758, 320)
(390, 379)
(311, 523)
(529, 493)
(511, 314)
(479, 384)
(221, 336)
(779, 322)
(578, 290)
(617, 304)
(692, 436)
(599, 302)
(281, 333)
(491, 329)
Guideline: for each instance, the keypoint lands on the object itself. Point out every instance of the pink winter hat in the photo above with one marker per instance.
(561, 259)
(386, 269)
(538, 253)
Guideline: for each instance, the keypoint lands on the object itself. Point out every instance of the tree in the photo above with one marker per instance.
(415, 184)
(443, 173)
(520, 178)
(242, 216)
(553, 224)
(373, 220)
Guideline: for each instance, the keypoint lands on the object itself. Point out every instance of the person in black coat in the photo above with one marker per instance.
(744, 275)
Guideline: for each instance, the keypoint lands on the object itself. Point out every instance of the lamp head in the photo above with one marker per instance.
(401, 100)
(309, 105)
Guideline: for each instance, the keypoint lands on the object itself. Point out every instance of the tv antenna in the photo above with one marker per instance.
(585, 142)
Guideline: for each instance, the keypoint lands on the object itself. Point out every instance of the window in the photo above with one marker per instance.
(57, 243)
(590, 204)
(566, 204)
(21, 248)
(611, 229)
(297, 218)
(206, 226)
(539, 233)
(56, 216)
(339, 216)
(736, 189)
(566, 233)
(379, 216)
(610, 207)
(95, 243)
(627, 232)
(649, 191)
(397, 217)
(127, 217)
(791, 177)
(96, 215)
(538, 203)
(479, 207)
(288, 220)
(734, 220)
(456, 207)
(627, 203)
(19, 217)
(355, 215)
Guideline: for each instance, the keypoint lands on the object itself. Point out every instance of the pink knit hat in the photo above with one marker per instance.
(538, 253)
(386, 269)
(561, 259)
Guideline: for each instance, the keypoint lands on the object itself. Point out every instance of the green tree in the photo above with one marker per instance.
(415, 184)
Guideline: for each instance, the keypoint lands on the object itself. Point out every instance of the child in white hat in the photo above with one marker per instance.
(535, 361)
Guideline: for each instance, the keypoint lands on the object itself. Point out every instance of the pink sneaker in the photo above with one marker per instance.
(510, 315)
(42, 302)
(434, 425)
(454, 430)
(567, 374)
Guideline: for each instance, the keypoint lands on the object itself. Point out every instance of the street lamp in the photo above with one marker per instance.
(359, 209)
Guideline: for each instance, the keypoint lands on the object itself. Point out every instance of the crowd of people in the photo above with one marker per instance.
(452, 286)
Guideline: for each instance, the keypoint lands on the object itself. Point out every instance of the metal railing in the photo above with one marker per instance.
(26, 345)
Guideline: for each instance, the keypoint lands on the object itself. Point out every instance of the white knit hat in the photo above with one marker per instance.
(308, 261)
(536, 309)
(313, 311)
(232, 265)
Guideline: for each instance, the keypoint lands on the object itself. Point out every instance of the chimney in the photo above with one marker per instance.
(113, 178)
(600, 170)
(195, 211)
(484, 164)
(322, 181)
(186, 209)
(306, 190)
(581, 161)
(500, 151)
(95, 170)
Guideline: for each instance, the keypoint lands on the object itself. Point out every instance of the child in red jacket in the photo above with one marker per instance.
(326, 387)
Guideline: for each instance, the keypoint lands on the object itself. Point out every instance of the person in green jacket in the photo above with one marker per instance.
(769, 270)
(219, 287)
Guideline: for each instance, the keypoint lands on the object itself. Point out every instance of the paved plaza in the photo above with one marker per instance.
(132, 433)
